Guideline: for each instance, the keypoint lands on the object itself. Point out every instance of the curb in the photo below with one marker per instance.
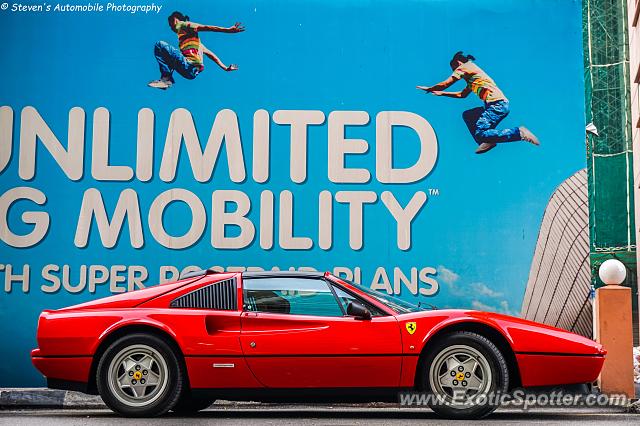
(24, 398)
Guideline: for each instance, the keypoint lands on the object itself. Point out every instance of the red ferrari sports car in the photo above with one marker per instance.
(293, 336)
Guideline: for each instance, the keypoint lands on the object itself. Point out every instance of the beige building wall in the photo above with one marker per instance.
(559, 285)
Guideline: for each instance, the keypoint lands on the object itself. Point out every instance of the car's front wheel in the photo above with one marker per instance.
(191, 404)
(465, 373)
(139, 375)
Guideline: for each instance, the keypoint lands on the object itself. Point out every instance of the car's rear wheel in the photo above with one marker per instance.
(465, 373)
(139, 375)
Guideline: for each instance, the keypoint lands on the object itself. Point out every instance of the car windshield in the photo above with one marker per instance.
(398, 305)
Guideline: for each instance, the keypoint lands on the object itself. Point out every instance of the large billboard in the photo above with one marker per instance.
(410, 146)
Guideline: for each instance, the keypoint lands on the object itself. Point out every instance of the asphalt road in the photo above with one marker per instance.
(321, 415)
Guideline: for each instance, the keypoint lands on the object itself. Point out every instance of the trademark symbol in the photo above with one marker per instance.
(434, 192)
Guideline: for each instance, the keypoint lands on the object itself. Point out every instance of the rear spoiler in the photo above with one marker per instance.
(199, 273)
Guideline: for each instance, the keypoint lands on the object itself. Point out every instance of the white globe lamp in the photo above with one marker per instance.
(612, 272)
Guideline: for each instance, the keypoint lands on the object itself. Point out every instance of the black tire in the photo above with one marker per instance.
(161, 397)
(190, 404)
(496, 384)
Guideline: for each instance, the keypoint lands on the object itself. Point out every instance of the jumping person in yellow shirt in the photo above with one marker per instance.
(188, 61)
(481, 121)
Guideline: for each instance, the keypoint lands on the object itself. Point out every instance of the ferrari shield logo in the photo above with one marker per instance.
(411, 327)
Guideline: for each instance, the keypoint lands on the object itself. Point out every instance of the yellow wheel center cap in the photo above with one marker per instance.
(137, 375)
(460, 376)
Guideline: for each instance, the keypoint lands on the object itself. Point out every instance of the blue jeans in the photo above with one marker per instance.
(171, 59)
(482, 123)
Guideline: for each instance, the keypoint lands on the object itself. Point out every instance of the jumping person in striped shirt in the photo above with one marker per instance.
(188, 61)
(481, 121)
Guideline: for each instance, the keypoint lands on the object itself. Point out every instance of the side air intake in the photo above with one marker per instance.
(222, 295)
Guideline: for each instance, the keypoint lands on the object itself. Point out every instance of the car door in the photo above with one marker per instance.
(295, 334)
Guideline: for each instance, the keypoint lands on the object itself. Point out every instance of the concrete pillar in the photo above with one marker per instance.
(614, 331)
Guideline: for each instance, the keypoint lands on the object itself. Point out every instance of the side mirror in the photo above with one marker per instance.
(357, 310)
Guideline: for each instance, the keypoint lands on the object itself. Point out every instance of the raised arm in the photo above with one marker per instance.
(442, 85)
(461, 94)
(236, 28)
(217, 60)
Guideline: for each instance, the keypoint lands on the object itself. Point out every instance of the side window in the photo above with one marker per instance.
(345, 298)
(295, 296)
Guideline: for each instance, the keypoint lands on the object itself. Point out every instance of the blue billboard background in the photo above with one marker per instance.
(477, 230)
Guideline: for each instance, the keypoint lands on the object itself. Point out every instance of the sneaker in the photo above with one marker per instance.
(527, 136)
(484, 147)
(160, 84)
